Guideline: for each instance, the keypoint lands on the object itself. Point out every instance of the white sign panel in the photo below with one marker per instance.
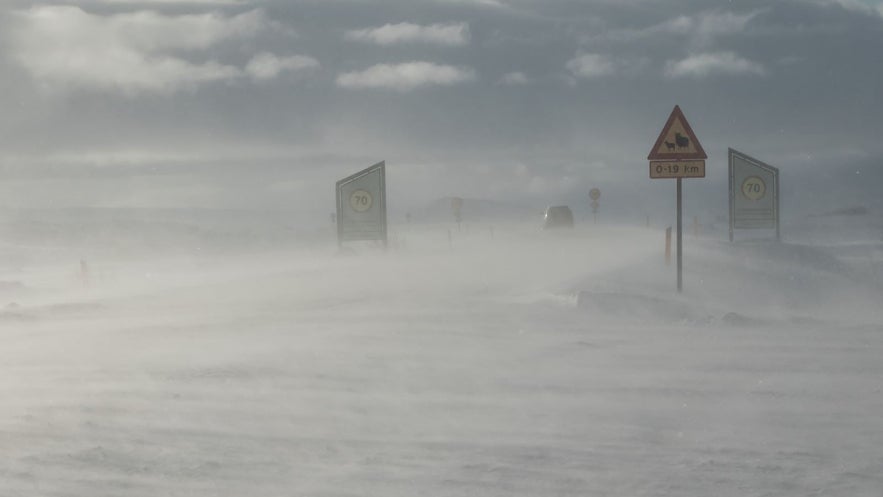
(754, 193)
(361, 205)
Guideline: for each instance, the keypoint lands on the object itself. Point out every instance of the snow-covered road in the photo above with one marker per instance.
(436, 369)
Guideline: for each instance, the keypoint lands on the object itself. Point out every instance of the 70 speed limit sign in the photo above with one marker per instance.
(754, 194)
(361, 201)
(361, 205)
(753, 188)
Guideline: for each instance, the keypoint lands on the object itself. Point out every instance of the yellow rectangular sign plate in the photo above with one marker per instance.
(677, 169)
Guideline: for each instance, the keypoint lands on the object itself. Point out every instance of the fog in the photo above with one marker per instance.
(493, 359)
(179, 318)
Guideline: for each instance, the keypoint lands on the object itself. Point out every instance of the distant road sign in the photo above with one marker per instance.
(677, 140)
(594, 194)
(457, 208)
(361, 205)
(677, 169)
(754, 193)
(456, 204)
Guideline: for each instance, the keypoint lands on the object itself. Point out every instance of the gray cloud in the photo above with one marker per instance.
(864, 6)
(405, 76)
(175, 2)
(454, 34)
(701, 30)
(516, 78)
(481, 3)
(712, 64)
(266, 66)
(143, 51)
(590, 66)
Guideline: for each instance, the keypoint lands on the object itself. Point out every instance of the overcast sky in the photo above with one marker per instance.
(264, 103)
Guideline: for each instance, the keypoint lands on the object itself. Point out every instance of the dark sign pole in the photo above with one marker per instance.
(680, 239)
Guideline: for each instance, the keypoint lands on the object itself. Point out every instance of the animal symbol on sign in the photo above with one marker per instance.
(681, 140)
(669, 145)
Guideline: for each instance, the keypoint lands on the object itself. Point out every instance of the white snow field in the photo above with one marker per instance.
(520, 364)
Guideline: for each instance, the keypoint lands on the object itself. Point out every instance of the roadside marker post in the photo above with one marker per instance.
(457, 210)
(677, 154)
(595, 195)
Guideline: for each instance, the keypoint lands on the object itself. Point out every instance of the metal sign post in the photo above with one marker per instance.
(677, 154)
(680, 238)
(361, 205)
(457, 210)
(754, 194)
(595, 195)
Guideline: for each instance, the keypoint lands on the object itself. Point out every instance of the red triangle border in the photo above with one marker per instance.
(698, 154)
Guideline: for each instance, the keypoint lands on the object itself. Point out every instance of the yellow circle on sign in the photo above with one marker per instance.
(753, 188)
(360, 201)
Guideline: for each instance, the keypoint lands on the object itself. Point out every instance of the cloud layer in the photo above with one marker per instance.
(456, 34)
(406, 76)
(140, 52)
(265, 66)
(313, 87)
(590, 66)
(712, 64)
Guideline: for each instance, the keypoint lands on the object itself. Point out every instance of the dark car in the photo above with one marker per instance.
(558, 216)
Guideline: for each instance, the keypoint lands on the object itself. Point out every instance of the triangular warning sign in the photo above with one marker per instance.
(677, 140)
